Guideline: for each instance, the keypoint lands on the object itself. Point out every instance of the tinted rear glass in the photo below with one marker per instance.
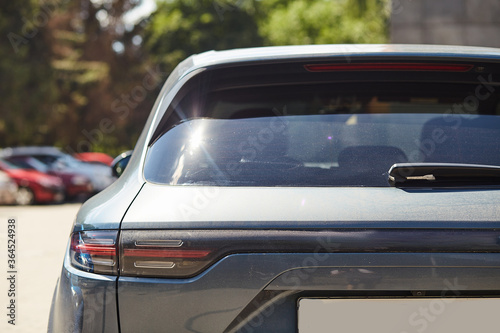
(317, 131)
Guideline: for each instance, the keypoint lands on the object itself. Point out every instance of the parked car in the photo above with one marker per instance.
(34, 186)
(57, 162)
(8, 189)
(94, 157)
(76, 186)
(301, 189)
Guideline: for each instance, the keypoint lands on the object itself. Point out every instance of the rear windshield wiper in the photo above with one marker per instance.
(442, 175)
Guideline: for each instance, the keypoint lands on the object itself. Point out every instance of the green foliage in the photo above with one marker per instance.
(28, 85)
(180, 28)
(326, 22)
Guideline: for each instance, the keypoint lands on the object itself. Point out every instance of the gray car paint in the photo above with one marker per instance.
(255, 207)
(83, 302)
(208, 303)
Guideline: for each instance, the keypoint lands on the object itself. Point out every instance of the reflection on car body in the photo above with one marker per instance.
(272, 182)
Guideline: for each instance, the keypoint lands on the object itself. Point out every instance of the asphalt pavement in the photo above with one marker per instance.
(41, 234)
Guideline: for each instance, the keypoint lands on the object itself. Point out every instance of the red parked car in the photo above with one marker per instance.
(76, 186)
(34, 186)
(94, 157)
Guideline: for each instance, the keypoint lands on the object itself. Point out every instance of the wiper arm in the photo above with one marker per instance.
(442, 174)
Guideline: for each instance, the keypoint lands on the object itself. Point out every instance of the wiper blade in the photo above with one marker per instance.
(442, 174)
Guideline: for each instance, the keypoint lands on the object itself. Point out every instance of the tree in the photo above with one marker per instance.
(28, 87)
(76, 75)
(67, 67)
(180, 28)
(95, 62)
(325, 22)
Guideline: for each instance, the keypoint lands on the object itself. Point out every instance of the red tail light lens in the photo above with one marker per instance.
(163, 254)
(95, 251)
(389, 67)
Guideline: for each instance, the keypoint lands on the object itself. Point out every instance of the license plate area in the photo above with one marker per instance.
(398, 315)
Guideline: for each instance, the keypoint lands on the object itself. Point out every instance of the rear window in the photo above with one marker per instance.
(320, 129)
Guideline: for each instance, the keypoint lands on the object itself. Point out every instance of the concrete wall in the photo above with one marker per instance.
(455, 22)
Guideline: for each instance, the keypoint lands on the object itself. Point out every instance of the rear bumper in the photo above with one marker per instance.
(7, 197)
(259, 292)
(44, 194)
(76, 190)
(83, 302)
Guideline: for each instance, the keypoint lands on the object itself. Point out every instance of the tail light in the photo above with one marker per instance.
(171, 254)
(164, 254)
(95, 251)
(184, 254)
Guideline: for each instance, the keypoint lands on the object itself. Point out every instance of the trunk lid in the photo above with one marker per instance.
(181, 207)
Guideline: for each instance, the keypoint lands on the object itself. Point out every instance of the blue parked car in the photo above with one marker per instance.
(301, 189)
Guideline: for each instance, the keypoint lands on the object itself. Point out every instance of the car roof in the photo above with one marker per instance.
(341, 50)
(30, 150)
